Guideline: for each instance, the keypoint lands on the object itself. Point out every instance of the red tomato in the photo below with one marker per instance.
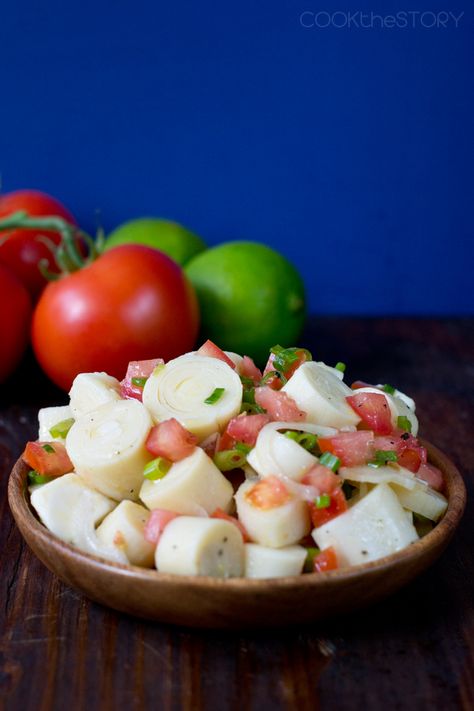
(279, 406)
(22, 250)
(360, 384)
(374, 411)
(245, 428)
(249, 370)
(268, 493)
(156, 524)
(219, 513)
(137, 369)
(48, 458)
(352, 448)
(133, 302)
(322, 478)
(276, 383)
(169, 439)
(410, 453)
(326, 560)
(337, 506)
(15, 315)
(212, 351)
(432, 475)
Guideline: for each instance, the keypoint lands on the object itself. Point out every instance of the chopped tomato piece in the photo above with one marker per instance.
(169, 439)
(360, 384)
(48, 458)
(249, 370)
(245, 428)
(212, 351)
(337, 506)
(326, 560)
(268, 493)
(138, 370)
(410, 453)
(352, 448)
(432, 475)
(219, 513)
(225, 442)
(279, 406)
(322, 478)
(374, 411)
(156, 524)
(276, 383)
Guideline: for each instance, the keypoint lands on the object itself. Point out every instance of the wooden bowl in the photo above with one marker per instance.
(237, 602)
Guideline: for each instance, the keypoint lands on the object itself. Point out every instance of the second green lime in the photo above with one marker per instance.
(250, 296)
(169, 237)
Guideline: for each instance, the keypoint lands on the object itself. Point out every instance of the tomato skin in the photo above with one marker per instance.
(15, 316)
(337, 506)
(48, 458)
(325, 560)
(374, 411)
(169, 439)
(132, 303)
(22, 251)
(352, 448)
(210, 350)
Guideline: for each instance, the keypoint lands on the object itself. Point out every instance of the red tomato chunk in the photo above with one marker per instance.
(156, 524)
(326, 560)
(212, 351)
(245, 428)
(352, 448)
(337, 506)
(169, 439)
(48, 458)
(268, 493)
(279, 406)
(374, 411)
(137, 369)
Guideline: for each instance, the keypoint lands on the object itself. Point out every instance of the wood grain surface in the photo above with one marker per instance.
(412, 651)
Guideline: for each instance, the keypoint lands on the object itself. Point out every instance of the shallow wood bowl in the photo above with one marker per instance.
(238, 602)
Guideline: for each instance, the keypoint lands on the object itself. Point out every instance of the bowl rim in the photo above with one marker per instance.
(25, 517)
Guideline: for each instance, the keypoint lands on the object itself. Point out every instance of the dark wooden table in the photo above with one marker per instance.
(412, 651)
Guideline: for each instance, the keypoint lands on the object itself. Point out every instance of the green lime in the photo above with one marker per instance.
(250, 297)
(169, 237)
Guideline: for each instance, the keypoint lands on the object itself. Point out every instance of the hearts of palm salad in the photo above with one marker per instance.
(205, 465)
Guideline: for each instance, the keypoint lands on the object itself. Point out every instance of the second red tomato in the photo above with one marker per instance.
(132, 303)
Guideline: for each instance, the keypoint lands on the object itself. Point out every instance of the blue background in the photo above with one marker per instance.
(350, 150)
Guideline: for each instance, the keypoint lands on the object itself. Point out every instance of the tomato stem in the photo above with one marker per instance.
(66, 255)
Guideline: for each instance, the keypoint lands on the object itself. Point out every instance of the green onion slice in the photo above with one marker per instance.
(214, 396)
(156, 469)
(404, 423)
(229, 459)
(330, 460)
(139, 382)
(60, 429)
(323, 501)
(388, 389)
(340, 366)
(284, 358)
(48, 448)
(311, 554)
(382, 456)
(35, 477)
(242, 447)
(305, 439)
(252, 409)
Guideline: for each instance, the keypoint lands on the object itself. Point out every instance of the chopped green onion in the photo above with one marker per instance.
(60, 429)
(242, 447)
(229, 459)
(249, 396)
(156, 469)
(323, 501)
(139, 382)
(252, 409)
(214, 396)
(311, 554)
(404, 423)
(268, 376)
(388, 389)
(340, 366)
(330, 460)
(48, 448)
(247, 382)
(35, 477)
(284, 358)
(307, 440)
(382, 456)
